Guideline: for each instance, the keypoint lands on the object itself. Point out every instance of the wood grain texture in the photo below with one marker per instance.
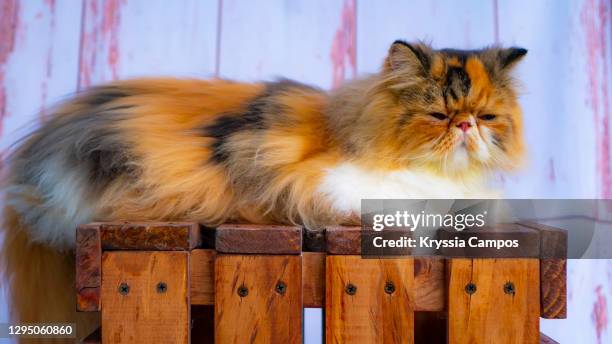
(88, 268)
(313, 279)
(268, 239)
(379, 23)
(553, 241)
(263, 315)
(553, 171)
(343, 240)
(122, 39)
(202, 279)
(553, 270)
(370, 314)
(145, 315)
(429, 280)
(40, 38)
(553, 288)
(430, 284)
(490, 315)
(307, 40)
(153, 236)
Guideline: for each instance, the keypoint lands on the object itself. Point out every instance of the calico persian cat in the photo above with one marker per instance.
(430, 124)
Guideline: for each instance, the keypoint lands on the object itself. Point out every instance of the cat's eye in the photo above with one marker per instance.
(487, 117)
(438, 115)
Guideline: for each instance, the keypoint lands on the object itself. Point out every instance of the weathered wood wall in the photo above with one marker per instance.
(51, 48)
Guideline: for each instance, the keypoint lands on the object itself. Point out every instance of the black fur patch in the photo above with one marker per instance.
(105, 157)
(108, 165)
(420, 54)
(227, 125)
(253, 117)
(101, 150)
(89, 142)
(105, 94)
(461, 55)
(457, 81)
(510, 55)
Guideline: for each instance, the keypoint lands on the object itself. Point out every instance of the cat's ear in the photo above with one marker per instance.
(509, 57)
(408, 57)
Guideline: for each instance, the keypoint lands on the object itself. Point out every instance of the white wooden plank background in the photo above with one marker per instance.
(444, 23)
(51, 48)
(40, 66)
(278, 38)
(122, 39)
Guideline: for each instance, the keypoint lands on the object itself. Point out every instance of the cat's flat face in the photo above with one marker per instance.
(454, 110)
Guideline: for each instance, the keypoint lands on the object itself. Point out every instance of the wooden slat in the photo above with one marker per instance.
(123, 39)
(88, 268)
(553, 241)
(202, 279)
(41, 37)
(144, 314)
(553, 270)
(153, 236)
(268, 239)
(553, 288)
(323, 55)
(343, 240)
(430, 284)
(553, 169)
(262, 314)
(370, 314)
(379, 23)
(313, 278)
(490, 314)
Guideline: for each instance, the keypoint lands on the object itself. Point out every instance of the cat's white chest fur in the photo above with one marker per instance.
(346, 184)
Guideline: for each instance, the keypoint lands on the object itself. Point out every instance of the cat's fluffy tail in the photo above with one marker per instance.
(40, 281)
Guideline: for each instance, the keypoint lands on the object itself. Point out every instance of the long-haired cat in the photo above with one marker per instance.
(430, 124)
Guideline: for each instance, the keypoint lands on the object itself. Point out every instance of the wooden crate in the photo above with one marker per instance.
(181, 283)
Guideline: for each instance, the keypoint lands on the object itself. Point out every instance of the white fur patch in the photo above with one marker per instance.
(461, 158)
(347, 184)
(64, 207)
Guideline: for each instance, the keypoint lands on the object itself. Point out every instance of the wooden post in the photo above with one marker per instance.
(553, 270)
(369, 300)
(88, 268)
(258, 298)
(493, 300)
(145, 297)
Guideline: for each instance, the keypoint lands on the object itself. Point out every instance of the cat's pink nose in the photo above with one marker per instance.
(464, 126)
